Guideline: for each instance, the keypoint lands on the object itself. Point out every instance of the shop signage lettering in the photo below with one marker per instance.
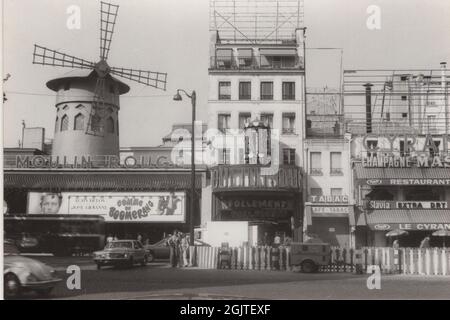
(421, 161)
(410, 143)
(329, 199)
(255, 214)
(412, 226)
(265, 204)
(409, 182)
(87, 162)
(376, 204)
(343, 209)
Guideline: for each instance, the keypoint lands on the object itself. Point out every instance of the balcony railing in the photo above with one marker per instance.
(252, 177)
(336, 172)
(288, 131)
(255, 63)
(324, 125)
(316, 171)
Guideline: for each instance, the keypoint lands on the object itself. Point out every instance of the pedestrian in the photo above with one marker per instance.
(109, 238)
(185, 249)
(425, 244)
(139, 238)
(396, 244)
(277, 239)
(115, 238)
(266, 239)
(174, 244)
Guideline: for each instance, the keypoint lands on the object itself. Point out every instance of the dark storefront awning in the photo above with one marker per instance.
(99, 180)
(383, 220)
(309, 214)
(402, 176)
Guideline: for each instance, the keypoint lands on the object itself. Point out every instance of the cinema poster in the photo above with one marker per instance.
(114, 207)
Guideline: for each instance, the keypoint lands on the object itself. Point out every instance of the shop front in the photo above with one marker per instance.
(151, 203)
(271, 205)
(331, 219)
(409, 202)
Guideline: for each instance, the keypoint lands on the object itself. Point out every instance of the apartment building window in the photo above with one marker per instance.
(245, 57)
(224, 90)
(403, 98)
(335, 163)
(336, 191)
(288, 156)
(224, 58)
(288, 90)
(316, 163)
(404, 115)
(223, 122)
(245, 90)
(224, 156)
(288, 123)
(267, 119)
(243, 119)
(266, 90)
(316, 192)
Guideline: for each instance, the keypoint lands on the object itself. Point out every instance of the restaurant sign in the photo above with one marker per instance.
(114, 207)
(410, 226)
(376, 204)
(408, 182)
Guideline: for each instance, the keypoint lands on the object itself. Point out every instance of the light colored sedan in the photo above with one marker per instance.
(22, 274)
(121, 252)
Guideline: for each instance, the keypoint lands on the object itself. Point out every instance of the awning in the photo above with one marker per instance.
(245, 53)
(224, 54)
(329, 212)
(408, 219)
(402, 176)
(100, 181)
(278, 52)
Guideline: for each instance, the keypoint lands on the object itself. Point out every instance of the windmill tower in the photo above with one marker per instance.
(87, 100)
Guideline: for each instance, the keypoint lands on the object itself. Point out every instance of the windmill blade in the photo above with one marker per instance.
(108, 16)
(48, 57)
(153, 79)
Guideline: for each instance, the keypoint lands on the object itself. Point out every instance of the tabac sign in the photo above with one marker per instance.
(382, 154)
(328, 199)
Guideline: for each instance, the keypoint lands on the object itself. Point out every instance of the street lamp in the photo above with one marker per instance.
(193, 97)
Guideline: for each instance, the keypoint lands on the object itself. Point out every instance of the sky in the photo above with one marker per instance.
(173, 36)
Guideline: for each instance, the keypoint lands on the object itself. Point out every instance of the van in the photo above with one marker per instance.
(309, 256)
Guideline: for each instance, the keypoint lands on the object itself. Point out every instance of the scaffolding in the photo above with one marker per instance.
(256, 21)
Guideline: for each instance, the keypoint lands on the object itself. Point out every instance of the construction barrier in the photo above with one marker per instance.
(411, 261)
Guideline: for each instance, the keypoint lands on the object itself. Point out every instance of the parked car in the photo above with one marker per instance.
(161, 251)
(121, 252)
(309, 256)
(22, 274)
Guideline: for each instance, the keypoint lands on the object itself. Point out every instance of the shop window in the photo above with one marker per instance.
(79, 122)
(65, 123)
(316, 163)
(224, 90)
(245, 90)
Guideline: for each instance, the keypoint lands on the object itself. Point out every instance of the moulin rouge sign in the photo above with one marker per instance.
(427, 157)
(86, 162)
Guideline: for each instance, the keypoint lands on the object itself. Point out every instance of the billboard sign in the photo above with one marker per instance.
(113, 206)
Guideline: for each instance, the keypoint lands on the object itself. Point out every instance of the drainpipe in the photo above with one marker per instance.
(444, 91)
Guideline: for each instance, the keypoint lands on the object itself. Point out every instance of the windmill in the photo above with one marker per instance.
(103, 72)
